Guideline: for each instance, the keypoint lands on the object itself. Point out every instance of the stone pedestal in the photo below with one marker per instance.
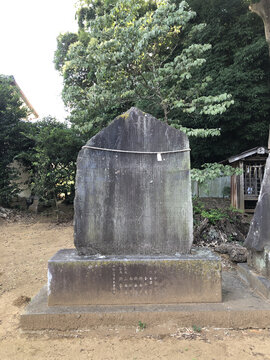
(240, 308)
(140, 279)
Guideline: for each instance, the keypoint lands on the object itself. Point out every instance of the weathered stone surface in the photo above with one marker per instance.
(123, 280)
(260, 261)
(237, 253)
(134, 203)
(223, 248)
(256, 281)
(259, 233)
(241, 308)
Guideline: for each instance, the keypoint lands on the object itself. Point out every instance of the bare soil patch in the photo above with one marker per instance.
(26, 244)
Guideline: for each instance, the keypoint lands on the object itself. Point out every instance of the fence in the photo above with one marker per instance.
(218, 188)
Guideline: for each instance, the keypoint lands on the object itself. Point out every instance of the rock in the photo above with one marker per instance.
(238, 254)
(216, 235)
(210, 237)
(213, 234)
(224, 248)
(4, 213)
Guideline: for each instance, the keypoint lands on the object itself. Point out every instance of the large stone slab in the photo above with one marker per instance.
(259, 232)
(123, 280)
(137, 201)
(241, 308)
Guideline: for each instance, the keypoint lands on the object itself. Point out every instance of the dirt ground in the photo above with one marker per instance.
(25, 247)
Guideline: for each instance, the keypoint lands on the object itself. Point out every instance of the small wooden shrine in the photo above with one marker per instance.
(245, 188)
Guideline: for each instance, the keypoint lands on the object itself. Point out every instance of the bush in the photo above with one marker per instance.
(52, 160)
(12, 141)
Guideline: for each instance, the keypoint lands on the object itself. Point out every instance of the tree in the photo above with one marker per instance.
(104, 74)
(213, 171)
(63, 43)
(238, 64)
(136, 53)
(12, 141)
(52, 160)
(262, 8)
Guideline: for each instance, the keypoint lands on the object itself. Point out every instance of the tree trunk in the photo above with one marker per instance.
(262, 8)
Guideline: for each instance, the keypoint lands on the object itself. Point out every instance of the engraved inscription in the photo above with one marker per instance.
(125, 283)
(113, 281)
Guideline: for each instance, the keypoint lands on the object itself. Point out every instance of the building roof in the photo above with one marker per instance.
(260, 150)
(24, 98)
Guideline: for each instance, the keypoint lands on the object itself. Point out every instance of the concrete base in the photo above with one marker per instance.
(257, 282)
(130, 280)
(241, 308)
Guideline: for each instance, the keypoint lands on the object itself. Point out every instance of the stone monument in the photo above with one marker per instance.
(258, 238)
(257, 270)
(133, 193)
(133, 222)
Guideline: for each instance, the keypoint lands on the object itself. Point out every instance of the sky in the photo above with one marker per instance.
(28, 32)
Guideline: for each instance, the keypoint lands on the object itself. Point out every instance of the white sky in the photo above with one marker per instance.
(28, 32)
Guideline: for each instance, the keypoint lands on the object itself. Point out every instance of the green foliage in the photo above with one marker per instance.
(196, 328)
(237, 64)
(138, 53)
(198, 133)
(63, 43)
(52, 159)
(216, 216)
(156, 55)
(213, 171)
(142, 325)
(48, 149)
(213, 215)
(198, 206)
(234, 210)
(11, 139)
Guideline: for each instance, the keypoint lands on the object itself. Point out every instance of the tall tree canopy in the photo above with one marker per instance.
(156, 55)
(136, 53)
(238, 64)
